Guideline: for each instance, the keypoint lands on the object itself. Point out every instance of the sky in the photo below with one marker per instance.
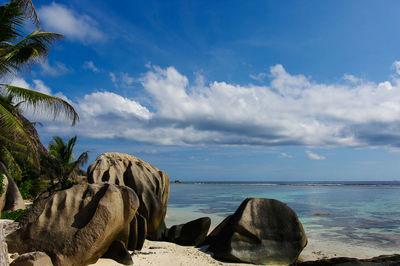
(229, 90)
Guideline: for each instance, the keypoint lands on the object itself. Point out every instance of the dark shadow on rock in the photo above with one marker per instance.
(118, 252)
(189, 234)
(86, 213)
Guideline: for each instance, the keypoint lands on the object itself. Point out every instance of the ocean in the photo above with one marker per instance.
(365, 215)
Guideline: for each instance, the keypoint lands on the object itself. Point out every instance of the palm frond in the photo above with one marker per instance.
(83, 158)
(9, 124)
(12, 164)
(11, 20)
(26, 52)
(41, 101)
(29, 9)
(8, 142)
(69, 149)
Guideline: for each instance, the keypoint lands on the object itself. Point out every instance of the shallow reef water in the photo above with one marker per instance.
(356, 213)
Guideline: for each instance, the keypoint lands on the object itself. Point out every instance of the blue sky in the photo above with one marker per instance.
(229, 90)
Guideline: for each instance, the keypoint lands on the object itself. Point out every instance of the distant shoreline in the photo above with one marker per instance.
(322, 183)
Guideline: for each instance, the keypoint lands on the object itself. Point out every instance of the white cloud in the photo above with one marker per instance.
(396, 67)
(40, 87)
(290, 110)
(122, 80)
(58, 18)
(285, 155)
(56, 69)
(314, 156)
(259, 77)
(19, 82)
(105, 103)
(113, 77)
(90, 65)
(351, 78)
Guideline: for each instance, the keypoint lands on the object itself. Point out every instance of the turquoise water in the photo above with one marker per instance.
(361, 214)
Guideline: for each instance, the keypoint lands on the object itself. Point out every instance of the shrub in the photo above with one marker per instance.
(12, 215)
(30, 188)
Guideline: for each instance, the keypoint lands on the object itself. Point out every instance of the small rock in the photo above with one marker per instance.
(191, 233)
(14, 256)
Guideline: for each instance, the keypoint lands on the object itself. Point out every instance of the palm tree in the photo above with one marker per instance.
(59, 164)
(19, 51)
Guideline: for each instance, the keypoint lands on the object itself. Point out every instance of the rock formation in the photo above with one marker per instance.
(35, 258)
(261, 231)
(150, 184)
(10, 199)
(189, 234)
(78, 225)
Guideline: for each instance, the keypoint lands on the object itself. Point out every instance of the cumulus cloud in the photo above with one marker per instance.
(90, 65)
(396, 67)
(55, 69)
(106, 103)
(41, 87)
(351, 78)
(314, 156)
(259, 77)
(121, 79)
(290, 110)
(285, 155)
(79, 27)
(38, 85)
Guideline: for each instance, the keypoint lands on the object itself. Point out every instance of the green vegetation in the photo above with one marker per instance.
(59, 164)
(20, 147)
(12, 215)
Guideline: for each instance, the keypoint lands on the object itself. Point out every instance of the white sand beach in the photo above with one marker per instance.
(169, 254)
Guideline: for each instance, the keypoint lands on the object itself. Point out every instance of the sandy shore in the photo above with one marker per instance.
(169, 254)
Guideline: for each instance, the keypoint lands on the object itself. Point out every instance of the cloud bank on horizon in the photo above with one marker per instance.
(289, 110)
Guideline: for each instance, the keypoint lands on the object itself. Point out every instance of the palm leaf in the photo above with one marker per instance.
(29, 9)
(11, 20)
(9, 124)
(41, 101)
(12, 164)
(4, 141)
(83, 158)
(27, 51)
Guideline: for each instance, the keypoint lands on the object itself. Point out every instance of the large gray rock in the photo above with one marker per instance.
(150, 184)
(261, 231)
(78, 225)
(10, 199)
